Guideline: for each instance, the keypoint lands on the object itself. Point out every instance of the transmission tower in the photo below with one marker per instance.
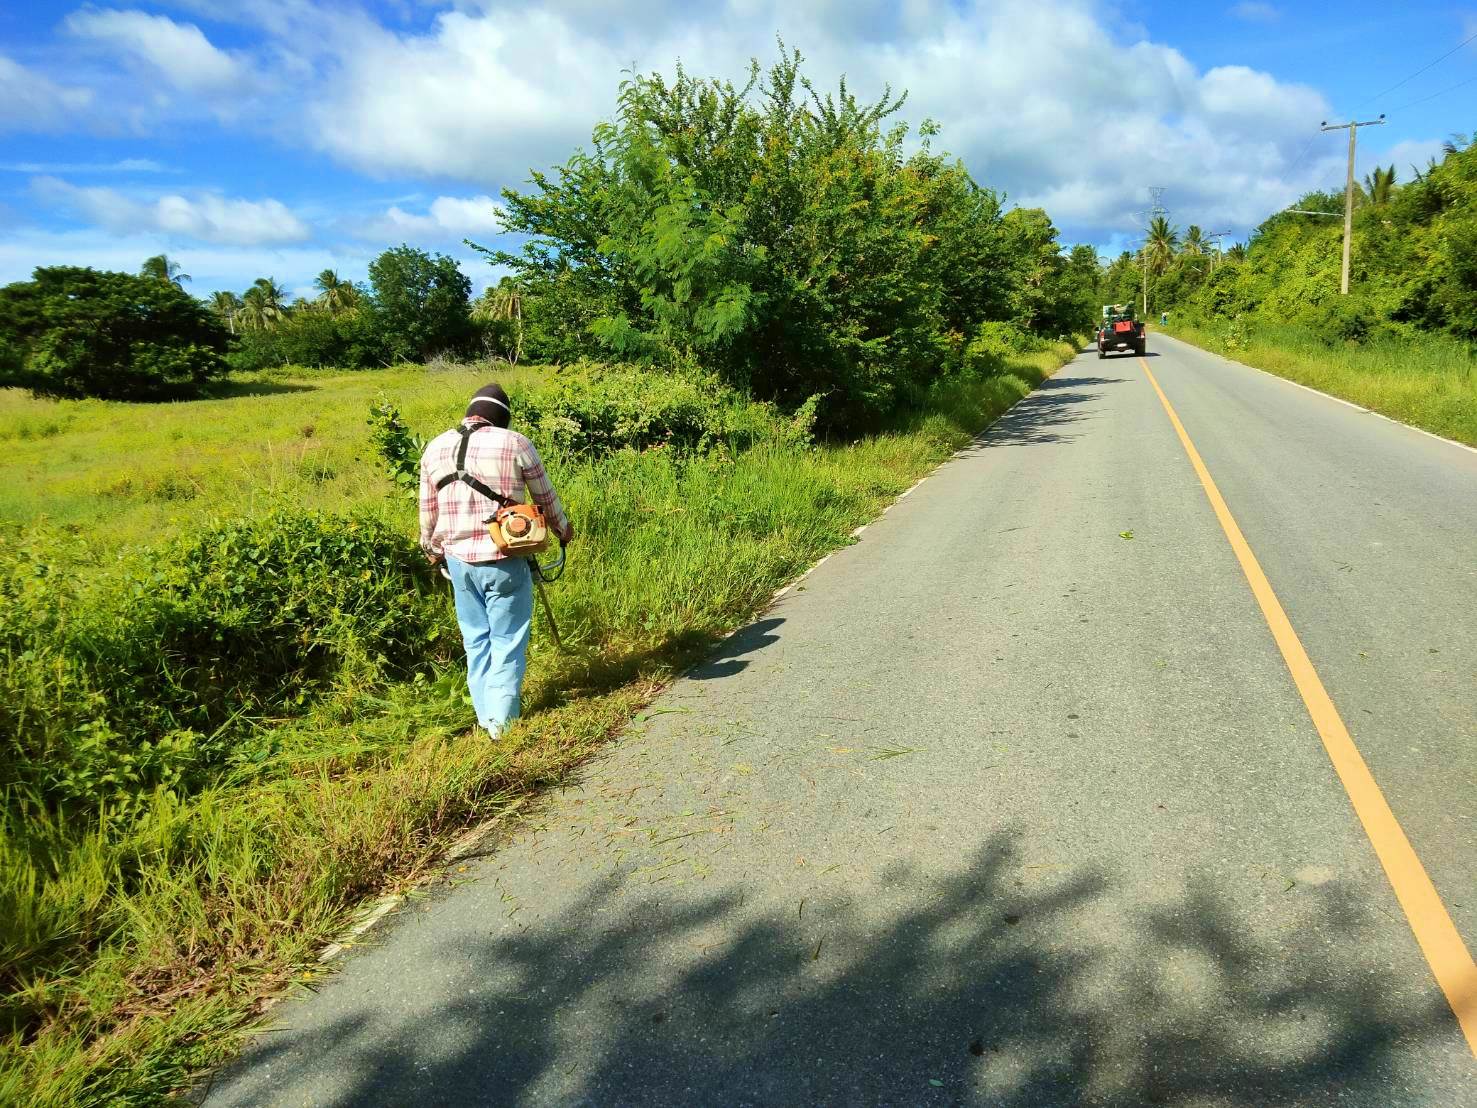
(1156, 210)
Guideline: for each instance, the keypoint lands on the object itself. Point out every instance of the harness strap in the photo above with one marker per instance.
(466, 431)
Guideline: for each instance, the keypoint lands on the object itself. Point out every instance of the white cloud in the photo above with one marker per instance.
(1056, 102)
(207, 217)
(31, 102)
(464, 101)
(125, 165)
(179, 52)
(1254, 11)
(472, 214)
(1065, 122)
(447, 217)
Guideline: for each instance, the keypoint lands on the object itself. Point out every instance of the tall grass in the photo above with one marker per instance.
(1428, 381)
(132, 950)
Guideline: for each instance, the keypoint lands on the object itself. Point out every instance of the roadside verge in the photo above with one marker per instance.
(1430, 390)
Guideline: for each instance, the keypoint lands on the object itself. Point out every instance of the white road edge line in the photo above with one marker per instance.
(1327, 396)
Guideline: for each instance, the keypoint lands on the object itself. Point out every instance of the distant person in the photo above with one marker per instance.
(493, 592)
(1163, 319)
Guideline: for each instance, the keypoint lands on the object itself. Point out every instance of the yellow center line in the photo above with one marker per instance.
(1447, 955)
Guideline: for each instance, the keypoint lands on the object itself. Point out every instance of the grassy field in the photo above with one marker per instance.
(1428, 382)
(134, 949)
(129, 474)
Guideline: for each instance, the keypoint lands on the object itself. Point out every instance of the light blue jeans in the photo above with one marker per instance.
(494, 605)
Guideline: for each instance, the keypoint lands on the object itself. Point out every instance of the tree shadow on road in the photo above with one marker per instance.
(981, 987)
(1040, 417)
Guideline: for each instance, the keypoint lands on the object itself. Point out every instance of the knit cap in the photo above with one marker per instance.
(490, 402)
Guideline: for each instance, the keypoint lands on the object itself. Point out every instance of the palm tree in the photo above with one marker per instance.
(228, 306)
(161, 268)
(504, 302)
(1422, 174)
(1159, 246)
(1194, 244)
(335, 294)
(262, 307)
(1459, 142)
(1379, 184)
(1236, 252)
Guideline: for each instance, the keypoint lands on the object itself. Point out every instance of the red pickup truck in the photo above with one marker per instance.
(1119, 332)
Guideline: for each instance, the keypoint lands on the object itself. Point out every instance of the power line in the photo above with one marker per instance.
(1443, 92)
(1418, 72)
(1287, 173)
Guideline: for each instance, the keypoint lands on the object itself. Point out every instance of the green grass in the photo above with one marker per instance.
(136, 473)
(1426, 381)
(132, 955)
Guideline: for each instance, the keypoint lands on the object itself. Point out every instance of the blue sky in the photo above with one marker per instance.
(293, 135)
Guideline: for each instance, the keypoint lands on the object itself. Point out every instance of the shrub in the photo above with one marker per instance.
(995, 344)
(309, 337)
(1340, 319)
(398, 447)
(150, 676)
(1237, 335)
(593, 410)
(72, 332)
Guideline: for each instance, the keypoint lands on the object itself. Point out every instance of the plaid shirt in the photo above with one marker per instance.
(505, 461)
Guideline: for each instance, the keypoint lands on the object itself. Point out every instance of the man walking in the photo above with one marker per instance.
(493, 592)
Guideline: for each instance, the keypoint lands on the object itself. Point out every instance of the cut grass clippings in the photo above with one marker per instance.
(151, 948)
(1429, 382)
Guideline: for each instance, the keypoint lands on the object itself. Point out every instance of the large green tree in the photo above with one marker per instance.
(500, 311)
(797, 242)
(73, 332)
(421, 303)
(1379, 185)
(1160, 245)
(227, 305)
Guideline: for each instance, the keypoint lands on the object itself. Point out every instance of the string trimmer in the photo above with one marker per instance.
(550, 574)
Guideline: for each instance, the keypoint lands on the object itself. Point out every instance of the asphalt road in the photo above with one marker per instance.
(1011, 803)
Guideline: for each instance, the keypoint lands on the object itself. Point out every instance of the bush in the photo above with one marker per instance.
(72, 332)
(309, 337)
(593, 410)
(995, 344)
(1340, 319)
(151, 675)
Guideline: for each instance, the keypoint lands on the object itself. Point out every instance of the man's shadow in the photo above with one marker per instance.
(729, 658)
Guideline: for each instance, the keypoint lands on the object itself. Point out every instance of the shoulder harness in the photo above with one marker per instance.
(461, 474)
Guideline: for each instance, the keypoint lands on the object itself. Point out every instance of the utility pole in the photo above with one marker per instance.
(1145, 270)
(1353, 128)
(1217, 235)
(1156, 209)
